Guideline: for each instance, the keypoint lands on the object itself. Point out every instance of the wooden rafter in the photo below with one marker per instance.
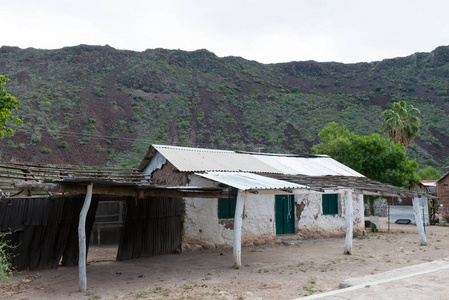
(11, 173)
(362, 185)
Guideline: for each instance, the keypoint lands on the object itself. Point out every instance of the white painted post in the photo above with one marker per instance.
(418, 220)
(238, 220)
(82, 239)
(349, 222)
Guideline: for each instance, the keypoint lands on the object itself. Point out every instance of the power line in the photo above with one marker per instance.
(72, 134)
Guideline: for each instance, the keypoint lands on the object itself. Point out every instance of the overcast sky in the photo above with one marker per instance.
(265, 31)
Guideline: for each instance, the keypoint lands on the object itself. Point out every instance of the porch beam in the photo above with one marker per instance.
(419, 222)
(349, 221)
(80, 189)
(238, 221)
(82, 239)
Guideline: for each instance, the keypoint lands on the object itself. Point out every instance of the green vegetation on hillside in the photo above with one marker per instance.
(98, 105)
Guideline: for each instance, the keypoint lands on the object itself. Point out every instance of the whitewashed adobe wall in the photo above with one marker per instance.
(312, 223)
(203, 229)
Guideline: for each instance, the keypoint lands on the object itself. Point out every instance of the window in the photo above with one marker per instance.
(330, 204)
(226, 208)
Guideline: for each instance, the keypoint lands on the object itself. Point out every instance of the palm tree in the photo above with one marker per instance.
(401, 123)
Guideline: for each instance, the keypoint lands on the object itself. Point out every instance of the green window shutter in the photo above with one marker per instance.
(330, 204)
(325, 204)
(333, 204)
(226, 208)
(232, 203)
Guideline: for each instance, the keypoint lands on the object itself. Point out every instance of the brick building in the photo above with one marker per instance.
(443, 193)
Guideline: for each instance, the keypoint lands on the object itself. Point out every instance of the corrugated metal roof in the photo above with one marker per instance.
(429, 182)
(249, 181)
(310, 166)
(202, 160)
(187, 159)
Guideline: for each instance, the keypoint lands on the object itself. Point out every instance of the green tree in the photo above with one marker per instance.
(371, 155)
(429, 173)
(7, 104)
(401, 123)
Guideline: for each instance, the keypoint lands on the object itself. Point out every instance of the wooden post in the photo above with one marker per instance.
(238, 220)
(82, 239)
(419, 222)
(349, 222)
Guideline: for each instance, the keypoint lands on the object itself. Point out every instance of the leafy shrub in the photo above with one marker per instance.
(318, 84)
(296, 90)
(6, 267)
(99, 92)
(36, 137)
(11, 145)
(63, 145)
(429, 173)
(45, 150)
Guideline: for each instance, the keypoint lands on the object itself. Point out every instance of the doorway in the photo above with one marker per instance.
(285, 214)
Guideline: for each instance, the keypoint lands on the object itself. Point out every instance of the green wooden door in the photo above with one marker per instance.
(285, 214)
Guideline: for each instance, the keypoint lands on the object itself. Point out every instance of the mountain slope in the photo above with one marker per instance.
(92, 105)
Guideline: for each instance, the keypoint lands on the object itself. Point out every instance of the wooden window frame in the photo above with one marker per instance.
(226, 208)
(330, 204)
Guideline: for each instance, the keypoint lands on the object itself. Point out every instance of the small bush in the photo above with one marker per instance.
(36, 137)
(45, 150)
(99, 92)
(63, 145)
(6, 268)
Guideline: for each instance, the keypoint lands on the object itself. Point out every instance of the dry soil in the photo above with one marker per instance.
(288, 269)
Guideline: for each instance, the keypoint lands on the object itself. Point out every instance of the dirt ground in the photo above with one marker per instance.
(288, 269)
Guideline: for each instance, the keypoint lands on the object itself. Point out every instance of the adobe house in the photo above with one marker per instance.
(185, 198)
(280, 194)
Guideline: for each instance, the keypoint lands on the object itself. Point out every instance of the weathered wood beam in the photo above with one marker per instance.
(349, 222)
(19, 166)
(419, 222)
(82, 239)
(238, 221)
(20, 176)
(80, 189)
(60, 172)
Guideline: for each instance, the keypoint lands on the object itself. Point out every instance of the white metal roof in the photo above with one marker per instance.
(250, 181)
(321, 165)
(428, 182)
(202, 160)
(187, 159)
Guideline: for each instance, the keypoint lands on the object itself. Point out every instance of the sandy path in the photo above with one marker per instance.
(281, 271)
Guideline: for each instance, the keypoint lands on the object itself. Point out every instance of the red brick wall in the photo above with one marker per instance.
(443, 194)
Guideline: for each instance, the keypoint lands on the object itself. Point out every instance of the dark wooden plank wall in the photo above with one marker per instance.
(153, 226)
(44, 229)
